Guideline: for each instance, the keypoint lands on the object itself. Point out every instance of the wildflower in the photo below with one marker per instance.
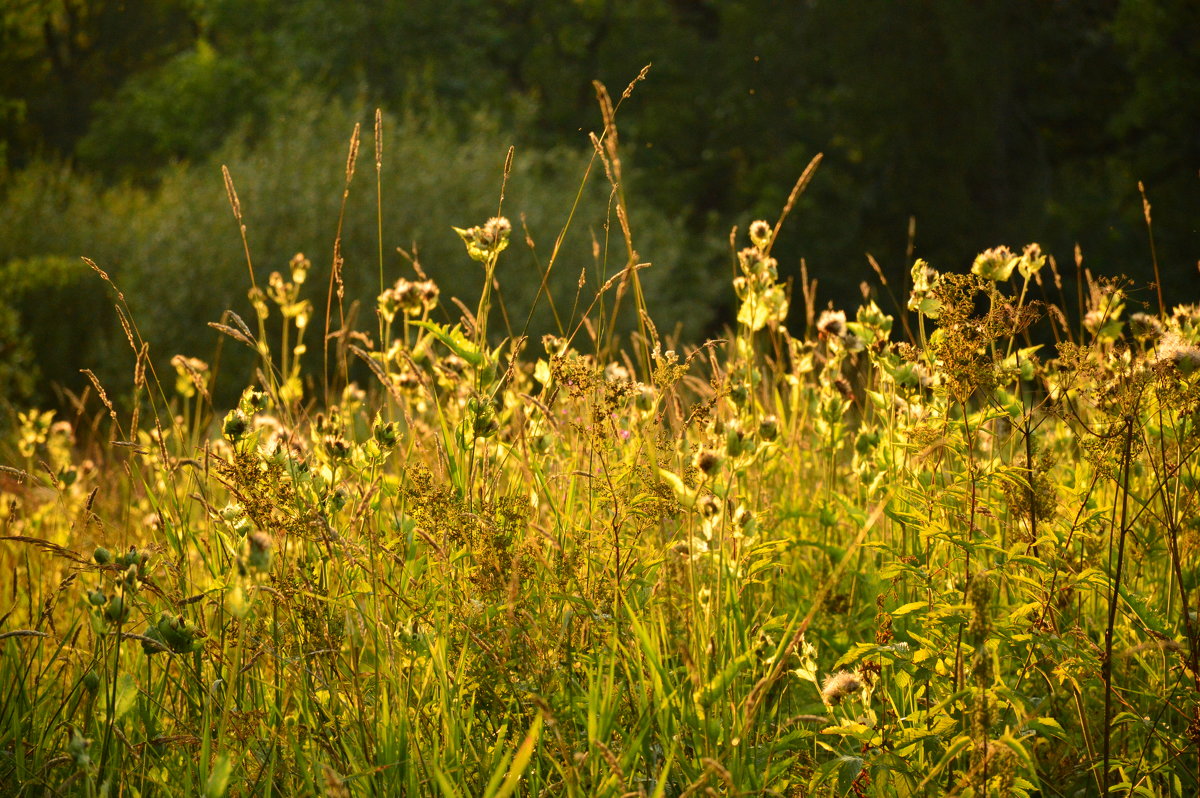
(646, 399)
(616, 373)
(1145, 327)
(253, 401)
(760, 234)
(708, 461)
(235, 425)
(1187, 318)
(924, 281)
(412, 298)
(839, 685)
(386, 433)
(995, 264)
(1031, 261)
(299, 266)
(832, 323)
(1178, 352)
(768, 428)
(488, 240)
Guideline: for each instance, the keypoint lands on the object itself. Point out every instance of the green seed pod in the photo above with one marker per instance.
(739, 392)
(260, 551)
(130, 578)
(91, 681)
(102, 556)
(386, 433)
(235, 426)
(96, 598)
(149, 647)
(116, 611)
(177, 633)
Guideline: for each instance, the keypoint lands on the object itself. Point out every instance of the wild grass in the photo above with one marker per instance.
(852, 556)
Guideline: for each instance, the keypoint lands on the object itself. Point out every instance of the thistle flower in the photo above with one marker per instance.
(760, 234)
(768, 428)
(924, 280)
(832, 323)
(235, 425)
(708, 461)
(839, 685)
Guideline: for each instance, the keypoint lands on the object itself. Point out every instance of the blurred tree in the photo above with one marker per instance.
(59, 57)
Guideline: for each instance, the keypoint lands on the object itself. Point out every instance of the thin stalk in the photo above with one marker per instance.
(1106, 666)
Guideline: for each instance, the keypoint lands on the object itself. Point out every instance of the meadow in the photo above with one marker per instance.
(942, 544)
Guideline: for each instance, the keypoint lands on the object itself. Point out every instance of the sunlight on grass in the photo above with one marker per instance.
(425, 554)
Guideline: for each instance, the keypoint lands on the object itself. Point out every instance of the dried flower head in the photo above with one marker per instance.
(1031, 261)
(1178, 352)
(838, 686)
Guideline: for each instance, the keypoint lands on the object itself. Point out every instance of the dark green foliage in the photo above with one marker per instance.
(41, 343)
(984, 121)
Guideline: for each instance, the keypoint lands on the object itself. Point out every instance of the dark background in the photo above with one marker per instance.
(987, 122)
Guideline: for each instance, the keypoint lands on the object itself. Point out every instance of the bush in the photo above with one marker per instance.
(44, 333)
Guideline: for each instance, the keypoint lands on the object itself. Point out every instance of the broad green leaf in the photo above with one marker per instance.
(218, 777)
(912, 606)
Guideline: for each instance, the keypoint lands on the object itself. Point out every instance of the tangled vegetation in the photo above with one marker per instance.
(898, 553)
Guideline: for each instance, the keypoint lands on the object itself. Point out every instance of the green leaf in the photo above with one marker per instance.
(126, 695)
(1048, 727)
(521, 760)
(912, 606)
(443, 783)
(218, 777)
(453, 338)
(1149, 617)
